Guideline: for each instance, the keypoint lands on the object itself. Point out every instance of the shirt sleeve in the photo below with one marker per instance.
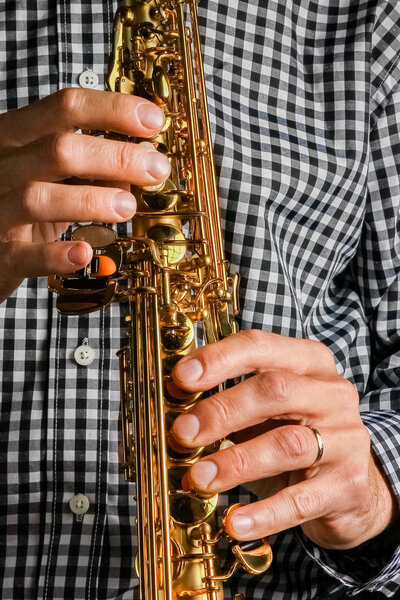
(375, 565)
(375, 270)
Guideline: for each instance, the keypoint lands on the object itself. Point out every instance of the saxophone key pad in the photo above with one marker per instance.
(98, 236)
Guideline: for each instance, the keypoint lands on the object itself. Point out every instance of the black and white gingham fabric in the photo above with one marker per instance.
(305, 109)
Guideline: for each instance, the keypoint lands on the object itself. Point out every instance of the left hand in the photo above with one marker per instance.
(341, 501)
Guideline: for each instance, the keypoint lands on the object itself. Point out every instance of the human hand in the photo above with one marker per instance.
(342, 500)
(39, 148)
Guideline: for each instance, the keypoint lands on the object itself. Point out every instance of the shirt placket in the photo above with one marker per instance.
(78, 400)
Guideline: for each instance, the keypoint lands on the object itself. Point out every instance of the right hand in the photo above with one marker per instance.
(39, 148)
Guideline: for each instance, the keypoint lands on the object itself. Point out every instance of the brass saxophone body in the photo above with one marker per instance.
(172, 271)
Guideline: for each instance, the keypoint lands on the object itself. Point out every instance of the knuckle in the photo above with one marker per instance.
(303, 504)
(329, 357)
(68, 102)
(255, 336)
(320, 355)
(7, 256)
(355, 484)
(273, 516)
(89, 202)
(45, 256)
(259, 339)
(334, 529)
(214, 358)
(321, 350)
(292, 442)
(239, 463)
(347, 391)
(60, 150)
(364, 438)
(360, 437)
(123, 156)
(33, 200)
(276, 385)
(115, 104)
(120, 105)
(219, 410)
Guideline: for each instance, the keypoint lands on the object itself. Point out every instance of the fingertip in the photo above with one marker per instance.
(150, 117)
(240, 526)
(186, 428)
(157, 165)
(78, 255)
(124, 205)
(148, 145)
(203, 473)
(188, 372)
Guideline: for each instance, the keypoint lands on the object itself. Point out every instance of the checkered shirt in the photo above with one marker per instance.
(305, 111)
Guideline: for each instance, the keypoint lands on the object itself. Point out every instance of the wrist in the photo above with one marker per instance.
(386, 510)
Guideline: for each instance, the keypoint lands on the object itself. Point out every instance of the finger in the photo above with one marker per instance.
(71, 109)
(51, 202)
(267, 395)
(71, 154)
(248, 352)
(292, 506)
(285, 449)
(24, 259)
(123, 185)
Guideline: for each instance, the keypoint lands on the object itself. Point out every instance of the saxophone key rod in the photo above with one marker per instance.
(172, 270)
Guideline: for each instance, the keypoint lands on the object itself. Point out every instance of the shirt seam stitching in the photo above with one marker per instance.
(52, 534)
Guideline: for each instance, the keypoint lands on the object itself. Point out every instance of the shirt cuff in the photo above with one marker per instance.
(374, 566)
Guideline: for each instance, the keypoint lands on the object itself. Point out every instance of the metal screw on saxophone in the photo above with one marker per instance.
(172, 271)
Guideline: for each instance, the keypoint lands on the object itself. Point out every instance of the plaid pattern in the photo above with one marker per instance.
(304, 103)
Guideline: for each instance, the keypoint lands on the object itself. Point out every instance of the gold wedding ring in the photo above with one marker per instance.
(320, 443)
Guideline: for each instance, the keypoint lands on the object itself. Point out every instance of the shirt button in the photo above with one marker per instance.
(84, 355)
(88, 79)
(79, 504)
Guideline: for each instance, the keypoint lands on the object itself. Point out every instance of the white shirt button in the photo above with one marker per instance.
(79, 504)
(88, 79)
(84, 355)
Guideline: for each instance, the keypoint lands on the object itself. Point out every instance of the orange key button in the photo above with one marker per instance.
(106, 268)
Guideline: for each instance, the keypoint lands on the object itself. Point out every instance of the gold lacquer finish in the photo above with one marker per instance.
(172, 271)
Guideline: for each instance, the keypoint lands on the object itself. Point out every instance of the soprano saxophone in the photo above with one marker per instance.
(172, 271)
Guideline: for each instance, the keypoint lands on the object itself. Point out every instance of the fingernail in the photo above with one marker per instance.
(157, 165)
(124, 204)
(150, 116)
(189, 371)
(241, 524)
(148, 145)
(77, 255)
(203, 472)
(187, 427)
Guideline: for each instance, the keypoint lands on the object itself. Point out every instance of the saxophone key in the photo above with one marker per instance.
(160, 86)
